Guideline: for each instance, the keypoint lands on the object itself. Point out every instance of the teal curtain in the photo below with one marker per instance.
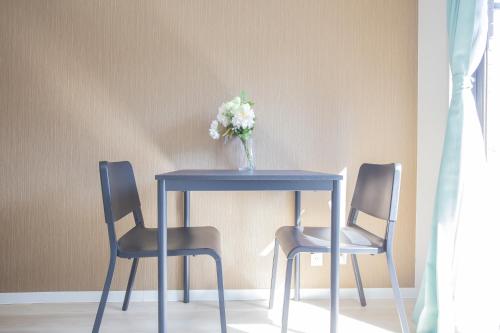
(462, 157)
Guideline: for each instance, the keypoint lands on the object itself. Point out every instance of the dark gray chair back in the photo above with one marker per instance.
(377, 190)
(119, 190)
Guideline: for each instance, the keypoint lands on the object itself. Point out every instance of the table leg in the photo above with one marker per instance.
(187, 205)
(162, 257)
(297, 257)
(335, 257)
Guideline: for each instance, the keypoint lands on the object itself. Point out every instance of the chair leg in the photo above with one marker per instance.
(105, 292)
(359, 284)
(297, 277)
(286, 300)
(273, 274)
(185, 276)
(220, 287)
(397, 295)
(130, 284)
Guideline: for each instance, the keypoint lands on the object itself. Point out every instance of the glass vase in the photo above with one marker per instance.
(247, 158)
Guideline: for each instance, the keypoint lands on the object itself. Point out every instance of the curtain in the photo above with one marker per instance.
(442, 302)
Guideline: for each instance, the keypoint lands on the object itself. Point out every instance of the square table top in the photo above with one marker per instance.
(256, 180)
(271, 175)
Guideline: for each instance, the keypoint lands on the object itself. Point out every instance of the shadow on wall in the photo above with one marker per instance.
(90, 83)
(97, 97)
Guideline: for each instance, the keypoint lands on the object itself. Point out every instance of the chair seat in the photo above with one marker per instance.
(353, 240)
(142, 242)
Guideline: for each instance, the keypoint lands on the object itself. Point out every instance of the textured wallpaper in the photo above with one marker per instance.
(81, 81)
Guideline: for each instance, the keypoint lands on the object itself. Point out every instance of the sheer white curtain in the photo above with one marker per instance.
(461, 282)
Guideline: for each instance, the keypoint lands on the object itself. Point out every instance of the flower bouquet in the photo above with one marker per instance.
(236, 118)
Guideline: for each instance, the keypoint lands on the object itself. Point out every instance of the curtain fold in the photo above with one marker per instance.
(458, 196)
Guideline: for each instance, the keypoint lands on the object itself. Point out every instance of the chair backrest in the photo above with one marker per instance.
(377, 190)
(119, 190)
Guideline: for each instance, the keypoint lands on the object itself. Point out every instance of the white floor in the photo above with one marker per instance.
(242, 316)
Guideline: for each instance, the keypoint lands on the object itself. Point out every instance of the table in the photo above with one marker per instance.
(234, 180)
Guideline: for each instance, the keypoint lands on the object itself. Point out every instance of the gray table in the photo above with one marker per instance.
(233, 180)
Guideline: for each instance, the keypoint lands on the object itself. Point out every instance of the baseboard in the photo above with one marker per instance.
(196, 295)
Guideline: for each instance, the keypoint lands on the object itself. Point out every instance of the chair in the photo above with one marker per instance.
(120, 198)
(376, 194)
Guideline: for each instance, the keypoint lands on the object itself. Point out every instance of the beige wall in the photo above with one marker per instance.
(81, 81)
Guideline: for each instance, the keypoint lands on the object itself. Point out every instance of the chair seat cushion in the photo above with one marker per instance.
(142, 242)
(353, 239)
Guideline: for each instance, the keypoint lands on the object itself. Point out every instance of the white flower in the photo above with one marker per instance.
(243, 117)
(223, 116)
(233, 104)
(234, 118)
(214, 133)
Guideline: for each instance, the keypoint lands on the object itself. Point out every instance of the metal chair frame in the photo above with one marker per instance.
(360, 202)
(120, 198)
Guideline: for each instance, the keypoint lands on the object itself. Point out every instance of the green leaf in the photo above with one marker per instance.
(245, 134)
(244, 97)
